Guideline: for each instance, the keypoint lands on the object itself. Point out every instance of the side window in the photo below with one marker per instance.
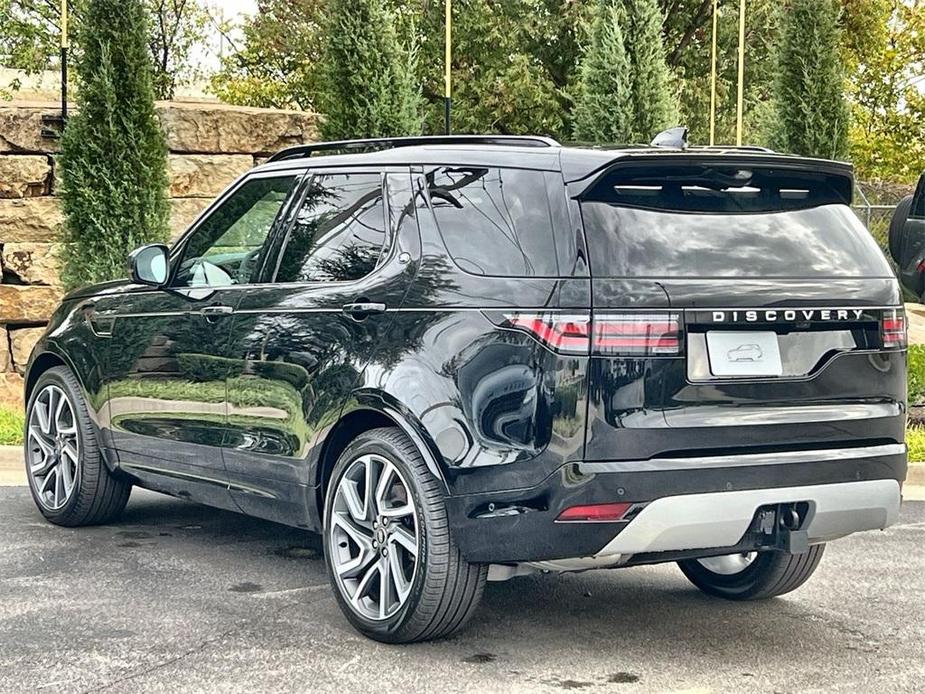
(225, 248)
(495, 221)
(339, 234)
(918, 200)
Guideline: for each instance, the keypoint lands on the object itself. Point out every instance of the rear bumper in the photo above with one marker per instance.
(686, 504)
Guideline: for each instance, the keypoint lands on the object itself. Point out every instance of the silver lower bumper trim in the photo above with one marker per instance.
(714, 461)
(720, 519)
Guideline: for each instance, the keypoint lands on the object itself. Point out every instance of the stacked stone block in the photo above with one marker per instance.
(210, 146)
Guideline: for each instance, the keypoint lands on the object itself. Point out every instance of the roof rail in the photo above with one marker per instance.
(736, 148)
(372, 145)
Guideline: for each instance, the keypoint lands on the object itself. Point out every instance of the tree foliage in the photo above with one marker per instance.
(810, 113)
(624, 91)
(604, 105)
(275, 63)
(367, 84)
(30, 33)
(113, 154)
(888, 130)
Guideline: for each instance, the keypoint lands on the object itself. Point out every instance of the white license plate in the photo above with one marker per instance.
(744, 354)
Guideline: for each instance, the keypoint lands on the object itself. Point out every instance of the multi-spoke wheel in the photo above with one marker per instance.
(68, 478)
(396, 572)
(52, 447)
(752, 575)
(374, 537)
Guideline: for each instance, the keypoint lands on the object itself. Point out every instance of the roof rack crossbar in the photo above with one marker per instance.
(301, 151)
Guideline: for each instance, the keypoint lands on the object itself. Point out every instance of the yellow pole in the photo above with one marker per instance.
(448, 84)
(713, 79)
(65, 44)
(741, 95)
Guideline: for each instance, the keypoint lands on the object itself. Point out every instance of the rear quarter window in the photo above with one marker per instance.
(706, 221)
(495, 221)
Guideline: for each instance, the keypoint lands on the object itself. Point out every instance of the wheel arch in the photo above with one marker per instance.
(371, 411)
(43, 362)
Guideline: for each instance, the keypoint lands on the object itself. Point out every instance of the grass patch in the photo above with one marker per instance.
(916, 374)
(11, 426)
(915, 439)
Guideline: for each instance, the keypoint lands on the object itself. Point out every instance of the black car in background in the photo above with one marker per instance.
(466, 359)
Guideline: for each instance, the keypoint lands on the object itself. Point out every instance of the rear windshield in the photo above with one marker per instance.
(701, 221)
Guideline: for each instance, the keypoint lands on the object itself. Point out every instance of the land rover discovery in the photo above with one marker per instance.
(464, 359)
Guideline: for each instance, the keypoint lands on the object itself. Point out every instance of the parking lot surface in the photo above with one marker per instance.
(178, 597)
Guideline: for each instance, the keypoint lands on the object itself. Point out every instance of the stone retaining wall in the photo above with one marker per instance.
(210, 146)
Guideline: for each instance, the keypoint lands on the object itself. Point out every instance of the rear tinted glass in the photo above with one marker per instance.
(710, 222)
(495, 221)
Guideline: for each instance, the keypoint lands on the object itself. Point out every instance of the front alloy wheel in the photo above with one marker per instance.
(52, 448)
(374, 537)
(395, 569)
(67, 474)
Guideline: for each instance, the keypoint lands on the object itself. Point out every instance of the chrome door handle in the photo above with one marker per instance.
(362, 309)
(212, 312)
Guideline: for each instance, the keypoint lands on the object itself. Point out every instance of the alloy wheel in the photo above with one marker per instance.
(374, 538)
(52, 447)
(729, 564)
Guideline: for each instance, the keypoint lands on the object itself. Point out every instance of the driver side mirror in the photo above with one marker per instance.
(149, 264)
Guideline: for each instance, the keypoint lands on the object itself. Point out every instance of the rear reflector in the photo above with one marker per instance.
(607, 334)
(594, 512)
(893, 329)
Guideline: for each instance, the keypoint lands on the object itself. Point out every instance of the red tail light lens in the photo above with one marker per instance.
(893, 329)
(607, 334)
(637, 334)
(568, 333)
(594, 512)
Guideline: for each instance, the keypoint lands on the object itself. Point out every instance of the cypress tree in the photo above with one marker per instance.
(655, 105)
(624, 91)
(603, 110)
(113, 154)
(810, 113)
(368, 85)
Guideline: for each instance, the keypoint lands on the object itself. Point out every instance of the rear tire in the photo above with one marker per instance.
(768, 575)
(433, 590)
(68, 477)
(897, 222)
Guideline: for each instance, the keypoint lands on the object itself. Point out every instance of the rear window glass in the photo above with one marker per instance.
(495, 221)
(725, 222)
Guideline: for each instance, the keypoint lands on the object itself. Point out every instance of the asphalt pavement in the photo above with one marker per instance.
(181, 598)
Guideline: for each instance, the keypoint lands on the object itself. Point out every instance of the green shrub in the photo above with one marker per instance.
(12, 423)
(624, 92)
(916, 374)
(113, 154)
(810, 110)
(368, 86)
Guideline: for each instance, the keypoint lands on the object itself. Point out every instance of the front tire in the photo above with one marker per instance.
(68, 477)
(395, 570)
(752, 576)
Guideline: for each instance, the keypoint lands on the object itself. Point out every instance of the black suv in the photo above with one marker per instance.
(466, 359)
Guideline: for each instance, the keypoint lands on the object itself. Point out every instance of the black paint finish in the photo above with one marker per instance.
(241, 395)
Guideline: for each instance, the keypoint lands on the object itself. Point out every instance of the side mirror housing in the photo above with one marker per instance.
(149, 265)
(907, 241)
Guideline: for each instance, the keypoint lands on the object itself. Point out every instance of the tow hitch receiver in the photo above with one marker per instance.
(783, 527)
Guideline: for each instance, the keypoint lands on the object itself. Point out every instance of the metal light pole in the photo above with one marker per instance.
(713, 79)
(741, 94)
(448, 83)
(65, 44)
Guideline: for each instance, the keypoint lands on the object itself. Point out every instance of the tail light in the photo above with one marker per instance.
(893, 329)
(607, 334)
(637, 334)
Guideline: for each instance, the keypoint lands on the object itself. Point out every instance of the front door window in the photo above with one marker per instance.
(224, 250)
